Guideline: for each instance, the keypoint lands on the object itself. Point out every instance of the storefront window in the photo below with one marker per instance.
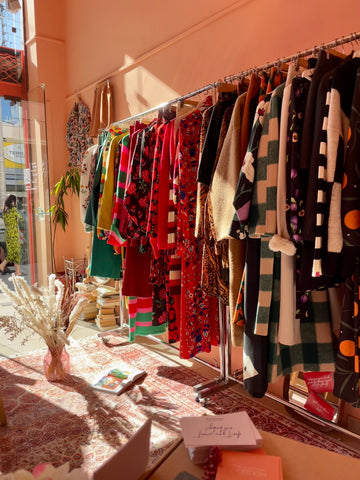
(23, 153)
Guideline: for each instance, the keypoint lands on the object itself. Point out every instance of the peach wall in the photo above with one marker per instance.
(154, 51)
(193, 44)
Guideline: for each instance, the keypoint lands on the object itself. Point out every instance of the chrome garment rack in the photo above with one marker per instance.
(226, 379)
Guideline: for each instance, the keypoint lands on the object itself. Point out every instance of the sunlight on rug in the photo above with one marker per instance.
(71, 422)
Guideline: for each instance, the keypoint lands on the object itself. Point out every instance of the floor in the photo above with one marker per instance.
(10, 348)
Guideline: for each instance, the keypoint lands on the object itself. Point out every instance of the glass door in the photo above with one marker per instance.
(24, 173)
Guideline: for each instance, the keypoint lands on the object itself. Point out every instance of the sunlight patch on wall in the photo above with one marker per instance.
(143, 90)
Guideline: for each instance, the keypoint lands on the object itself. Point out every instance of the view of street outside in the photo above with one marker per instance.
(14, 174)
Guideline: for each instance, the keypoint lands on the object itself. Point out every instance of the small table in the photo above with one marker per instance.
(299, 461)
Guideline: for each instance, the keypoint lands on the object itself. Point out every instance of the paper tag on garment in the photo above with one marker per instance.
(320, 407)
(319, 381)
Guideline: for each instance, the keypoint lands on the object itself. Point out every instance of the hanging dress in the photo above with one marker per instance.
(86, 181)
(199, 315)
(144, 320)
(104, 261)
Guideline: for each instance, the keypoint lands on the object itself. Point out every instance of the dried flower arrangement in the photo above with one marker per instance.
(48, 311)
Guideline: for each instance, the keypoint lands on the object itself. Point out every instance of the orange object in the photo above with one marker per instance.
(246, 466)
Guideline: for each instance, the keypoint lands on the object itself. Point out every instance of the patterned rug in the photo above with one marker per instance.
(71, 422)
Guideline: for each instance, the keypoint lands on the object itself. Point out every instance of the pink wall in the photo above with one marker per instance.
(190, 45)
(157, 50)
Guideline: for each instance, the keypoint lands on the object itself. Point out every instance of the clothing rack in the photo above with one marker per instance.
(225, 378)
(353, 37)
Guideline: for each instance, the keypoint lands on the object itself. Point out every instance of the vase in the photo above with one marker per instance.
(56, 363)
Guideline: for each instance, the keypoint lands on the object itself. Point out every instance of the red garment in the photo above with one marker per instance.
(138, 189)
(136, 281)
(199, 320)
(166, 232)
(134, 132)
(165, 185)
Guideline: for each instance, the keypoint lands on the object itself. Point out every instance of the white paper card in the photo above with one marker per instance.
(234, 430)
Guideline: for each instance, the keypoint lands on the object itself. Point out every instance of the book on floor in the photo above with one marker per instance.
(88, 315)
(106, 319)
(116, 380)
(231, 431)
(107, 291)
(247, 466)
(108, 301)
(106, 324)
(107, 310)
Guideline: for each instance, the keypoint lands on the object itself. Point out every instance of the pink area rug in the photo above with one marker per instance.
(71, 422)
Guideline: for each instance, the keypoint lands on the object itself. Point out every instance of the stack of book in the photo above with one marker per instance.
(231, 431)
(108, 301)
(91, 309)
(106, 318)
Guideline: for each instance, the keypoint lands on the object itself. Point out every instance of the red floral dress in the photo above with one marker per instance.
(138, 191)
(198, 313)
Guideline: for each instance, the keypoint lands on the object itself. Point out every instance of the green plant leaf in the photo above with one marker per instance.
(68, 184)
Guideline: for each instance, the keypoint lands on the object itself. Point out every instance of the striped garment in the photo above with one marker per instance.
(315, 350)
(173, 290)
(166, 239)
(262, 215)
(245, 186)
(152, 220)
(321, 193)
(140, 318)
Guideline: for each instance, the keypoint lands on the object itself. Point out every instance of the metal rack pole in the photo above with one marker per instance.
(204, 389)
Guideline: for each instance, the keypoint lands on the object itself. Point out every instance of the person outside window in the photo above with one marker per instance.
(12, 218)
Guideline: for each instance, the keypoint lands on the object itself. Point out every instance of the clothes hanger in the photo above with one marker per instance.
(184, 108)
(226, 88)
(187, 101)
(334, 52)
